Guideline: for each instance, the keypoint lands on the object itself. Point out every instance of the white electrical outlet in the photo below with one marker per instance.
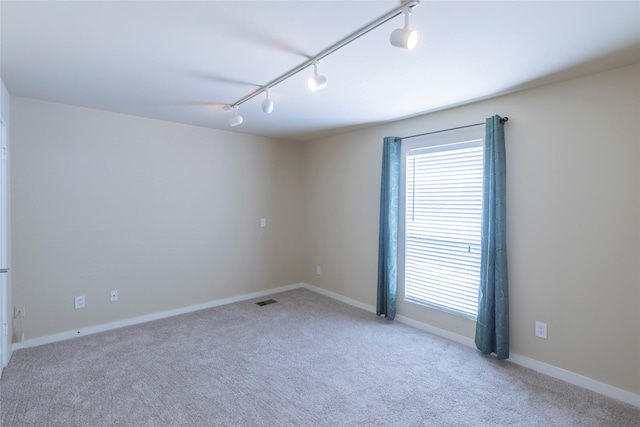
(318, 270)
(114, 296)
(18, 312)
(263, 222)
(541, 330)
(79, 302)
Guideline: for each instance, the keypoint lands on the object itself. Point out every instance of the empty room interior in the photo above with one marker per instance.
(166, 165)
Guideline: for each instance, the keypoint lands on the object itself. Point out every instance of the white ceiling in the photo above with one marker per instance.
(183, 61)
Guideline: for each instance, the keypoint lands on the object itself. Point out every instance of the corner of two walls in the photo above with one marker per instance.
(167, 214)
(573, 216)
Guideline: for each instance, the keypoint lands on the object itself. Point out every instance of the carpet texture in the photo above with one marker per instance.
(306, 360)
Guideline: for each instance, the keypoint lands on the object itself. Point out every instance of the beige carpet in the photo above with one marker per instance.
(304, 361)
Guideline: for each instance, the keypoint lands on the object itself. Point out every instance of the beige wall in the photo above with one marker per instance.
(573, 216)
(167, 214)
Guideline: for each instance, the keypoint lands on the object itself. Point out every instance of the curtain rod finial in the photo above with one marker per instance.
(504, 119)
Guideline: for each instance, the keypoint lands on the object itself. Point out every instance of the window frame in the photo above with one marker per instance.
(427, 141)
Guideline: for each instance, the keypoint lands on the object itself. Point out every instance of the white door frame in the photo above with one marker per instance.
(4, 246)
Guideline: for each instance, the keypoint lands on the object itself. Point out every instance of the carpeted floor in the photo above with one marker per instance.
(304, 361)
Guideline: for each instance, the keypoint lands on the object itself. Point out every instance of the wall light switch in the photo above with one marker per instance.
(263, 222)
(318, 270)
(114, 296)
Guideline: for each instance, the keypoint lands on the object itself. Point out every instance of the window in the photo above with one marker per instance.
(442, 224)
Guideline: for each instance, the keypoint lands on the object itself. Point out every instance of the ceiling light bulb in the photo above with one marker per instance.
(236, 119)
(316, 82)
(267, 104)
(406, 37)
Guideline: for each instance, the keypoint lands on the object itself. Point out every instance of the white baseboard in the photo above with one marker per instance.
(544, 368)
(143, 319)
(9, 353)
(576, 379)
(460, 339)
(339, 297)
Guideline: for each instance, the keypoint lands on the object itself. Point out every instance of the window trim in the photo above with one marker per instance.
(427, 141)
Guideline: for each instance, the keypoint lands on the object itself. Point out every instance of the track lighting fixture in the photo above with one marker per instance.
(267, 104)
(405, 38)
(316, 82)
(236, 119)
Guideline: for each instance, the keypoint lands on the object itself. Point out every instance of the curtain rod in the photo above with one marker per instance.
(503, 120)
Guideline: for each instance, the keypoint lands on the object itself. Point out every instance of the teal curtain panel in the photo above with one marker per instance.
(388, 238)
(492, 326)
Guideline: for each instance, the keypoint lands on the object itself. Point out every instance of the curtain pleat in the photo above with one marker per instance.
(492, 325)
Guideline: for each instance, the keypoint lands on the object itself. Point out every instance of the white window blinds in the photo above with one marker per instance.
(442, 226)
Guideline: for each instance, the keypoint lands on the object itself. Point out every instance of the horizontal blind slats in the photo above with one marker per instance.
(443, 221)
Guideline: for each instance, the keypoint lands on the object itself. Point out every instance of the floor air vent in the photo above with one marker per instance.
(266, 302)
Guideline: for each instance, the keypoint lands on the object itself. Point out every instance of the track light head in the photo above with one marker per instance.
(267, 104)
(406, 37)
(236, 119)
(316, 82)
